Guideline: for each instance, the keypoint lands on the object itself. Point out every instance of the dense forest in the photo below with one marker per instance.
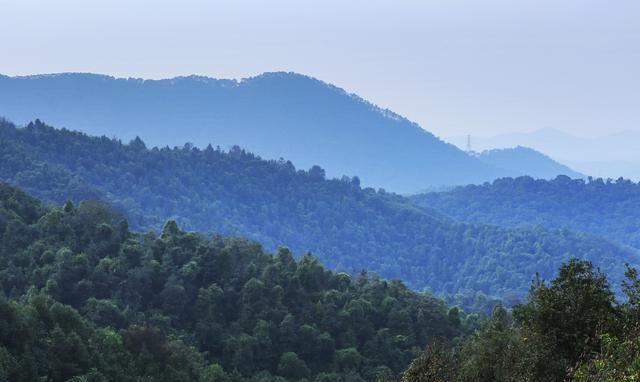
(87, 297)
(83, 298)
(609, 208)
(348, 227)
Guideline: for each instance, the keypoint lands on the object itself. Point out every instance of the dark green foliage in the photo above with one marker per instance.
(236, 193)
(618, 357)
(603, 207)
(89, 299)
(617, 361)
(571, 309)
(436, 364)
(494, 354)
(40, 337)
(570, 329)
(85, 299)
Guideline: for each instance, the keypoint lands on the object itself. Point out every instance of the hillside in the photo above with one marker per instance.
(348, 227)
(96, 300)
(275, 115)
(83, 298)
(607, 208)
(525, 161)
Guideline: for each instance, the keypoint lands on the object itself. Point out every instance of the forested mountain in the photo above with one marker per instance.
(89, 299)
(348, 227)
(273, 115)
(526, 161)
(82, 298)
(604, 207)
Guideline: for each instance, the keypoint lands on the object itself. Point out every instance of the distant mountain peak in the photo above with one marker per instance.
(274, 114)
(523, 160)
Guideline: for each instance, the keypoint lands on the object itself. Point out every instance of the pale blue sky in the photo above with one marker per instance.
(455, 67)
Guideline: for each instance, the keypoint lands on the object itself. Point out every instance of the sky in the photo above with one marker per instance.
(479, 67)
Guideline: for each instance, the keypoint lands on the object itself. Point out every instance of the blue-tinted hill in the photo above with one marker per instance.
(274, 115)
(607, 208)
(526, 161)
(348, 227)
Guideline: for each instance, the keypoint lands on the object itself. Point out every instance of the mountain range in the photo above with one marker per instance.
(349, 228)
(275, 115)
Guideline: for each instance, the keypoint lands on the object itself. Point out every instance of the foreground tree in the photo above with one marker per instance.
(561, 321)
(494, 354)
(436, 364)
(561, 325)
(617, 361)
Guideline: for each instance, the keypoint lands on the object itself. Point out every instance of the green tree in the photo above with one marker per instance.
(435, 364)
(562, 319)
(494, 354)
(292, 367)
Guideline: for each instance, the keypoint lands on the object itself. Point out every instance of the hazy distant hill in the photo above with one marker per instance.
(274, 115)
(348, 227)
(526, 161)
(609, 156)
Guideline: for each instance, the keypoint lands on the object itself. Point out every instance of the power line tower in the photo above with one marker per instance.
(469, 143)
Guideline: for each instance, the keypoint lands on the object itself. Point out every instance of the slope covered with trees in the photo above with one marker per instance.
(85, 297)
(603, 207)
(82, 298)
(273, 115)
(348, 227)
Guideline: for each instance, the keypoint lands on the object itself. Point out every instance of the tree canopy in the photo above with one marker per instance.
(85, 297)
(349, 228)
(570, 329)
(604, 207)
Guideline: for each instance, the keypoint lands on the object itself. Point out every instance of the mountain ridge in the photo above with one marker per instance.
(347, 226)
(278, 114)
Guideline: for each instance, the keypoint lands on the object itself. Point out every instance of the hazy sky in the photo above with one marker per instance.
(455, 67)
